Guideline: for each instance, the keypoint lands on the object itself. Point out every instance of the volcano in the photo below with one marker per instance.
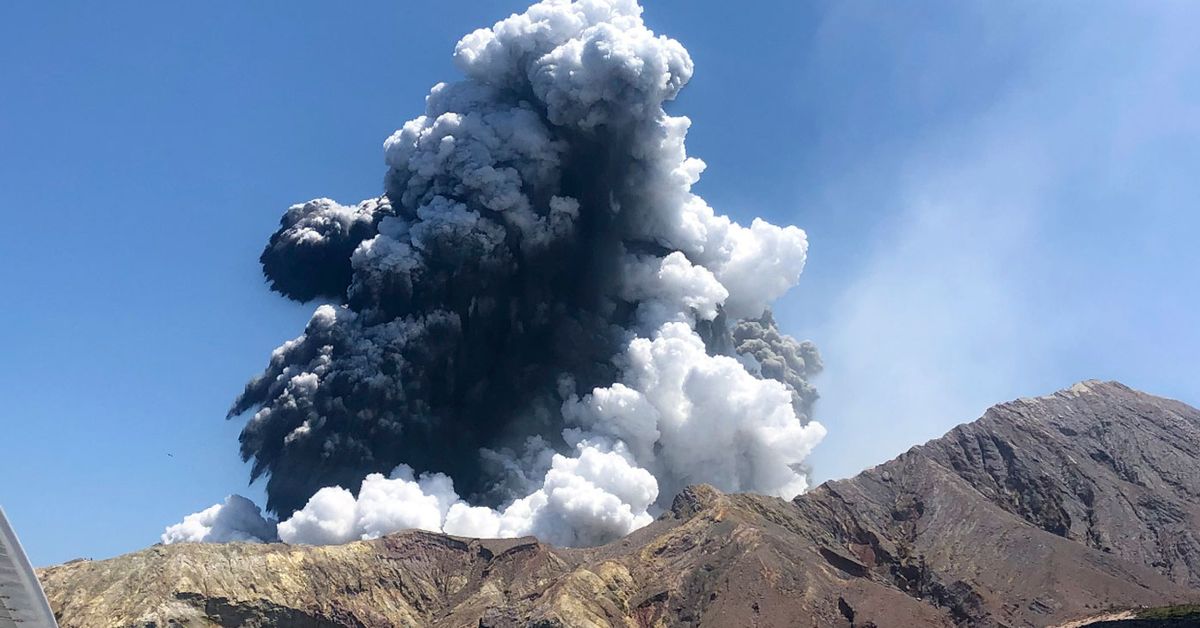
(1047, 511)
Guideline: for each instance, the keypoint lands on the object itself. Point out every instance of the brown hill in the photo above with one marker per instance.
(1042, 512)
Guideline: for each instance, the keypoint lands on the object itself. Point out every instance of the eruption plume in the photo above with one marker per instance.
(538, 328)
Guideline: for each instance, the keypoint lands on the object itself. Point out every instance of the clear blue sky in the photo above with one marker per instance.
(1000, 197)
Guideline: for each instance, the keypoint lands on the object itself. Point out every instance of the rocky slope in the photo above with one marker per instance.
(1041, 512)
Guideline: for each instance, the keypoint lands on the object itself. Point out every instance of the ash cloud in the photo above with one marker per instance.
(309, 256)
(539, 328)
(768, 352)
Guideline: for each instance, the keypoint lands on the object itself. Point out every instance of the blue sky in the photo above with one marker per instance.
(1000, 199)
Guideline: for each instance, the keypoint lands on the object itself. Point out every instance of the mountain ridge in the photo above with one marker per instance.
(1042, 511)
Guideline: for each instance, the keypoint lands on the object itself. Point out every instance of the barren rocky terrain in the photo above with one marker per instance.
(1043, 512)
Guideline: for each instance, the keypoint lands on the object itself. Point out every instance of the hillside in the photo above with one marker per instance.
(1041, 512)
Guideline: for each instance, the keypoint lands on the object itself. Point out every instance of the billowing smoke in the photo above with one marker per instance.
(539, 328)
(235, 519)
(779, 357)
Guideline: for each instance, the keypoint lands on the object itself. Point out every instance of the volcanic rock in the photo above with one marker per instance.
(1044, 511)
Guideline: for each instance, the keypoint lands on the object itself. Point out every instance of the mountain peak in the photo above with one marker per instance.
(1043, 511)
(1087, 387)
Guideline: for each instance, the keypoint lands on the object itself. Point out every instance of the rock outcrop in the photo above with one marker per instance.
(1042, 512)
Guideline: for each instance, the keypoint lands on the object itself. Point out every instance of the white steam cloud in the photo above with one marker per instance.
(235, 519)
